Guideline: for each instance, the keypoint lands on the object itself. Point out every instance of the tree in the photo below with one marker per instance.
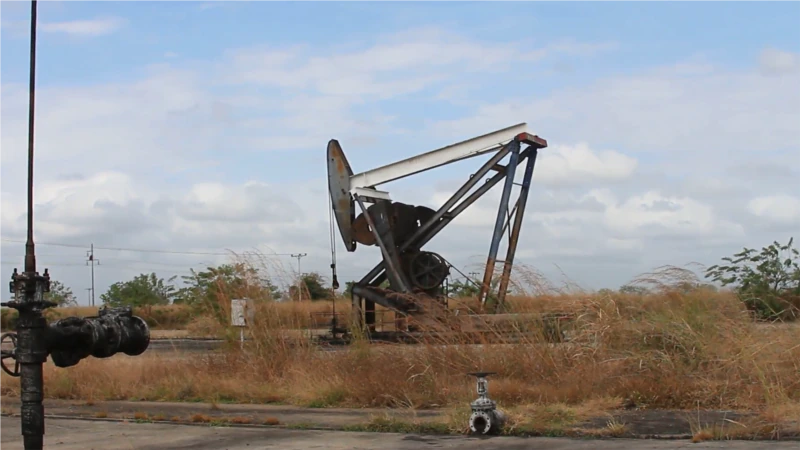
(61, 295)
(226, 281)
(462, 289)
(142, 290)
(634, 290)
(768, 282)
(313, 285)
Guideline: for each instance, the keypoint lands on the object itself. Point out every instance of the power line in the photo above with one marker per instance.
(140, 250)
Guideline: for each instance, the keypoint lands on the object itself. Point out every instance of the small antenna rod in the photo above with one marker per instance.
(30, 257)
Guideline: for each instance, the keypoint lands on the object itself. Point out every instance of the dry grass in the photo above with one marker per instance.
(669, 350)
(684, 349)
(271, 421)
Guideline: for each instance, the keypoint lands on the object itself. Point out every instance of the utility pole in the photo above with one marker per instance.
(89, 294)
(474, 274)
(299, 275)
(90, 261)
(298, 256)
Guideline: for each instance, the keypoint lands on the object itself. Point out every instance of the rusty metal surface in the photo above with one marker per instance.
(448, 211)
(513, 239)
(532, 140)
(378, 219)
(339, 173)
(427, 270)
(362, 232)
(510, 172)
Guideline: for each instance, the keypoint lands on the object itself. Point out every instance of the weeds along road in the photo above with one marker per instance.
(70, 434)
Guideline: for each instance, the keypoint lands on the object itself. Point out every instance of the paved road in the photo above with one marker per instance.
(184, 345)
(69, 434)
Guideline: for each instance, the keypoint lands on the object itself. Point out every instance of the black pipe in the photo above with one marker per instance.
(31, 349)
(72, 339)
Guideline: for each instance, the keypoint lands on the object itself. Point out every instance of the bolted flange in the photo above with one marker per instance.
(486, 422)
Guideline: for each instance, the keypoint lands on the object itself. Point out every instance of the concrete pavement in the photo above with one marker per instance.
(72, 434)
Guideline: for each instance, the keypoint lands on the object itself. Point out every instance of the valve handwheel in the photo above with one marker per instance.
(12, 353)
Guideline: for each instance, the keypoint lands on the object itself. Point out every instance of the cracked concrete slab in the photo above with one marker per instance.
(75, 434)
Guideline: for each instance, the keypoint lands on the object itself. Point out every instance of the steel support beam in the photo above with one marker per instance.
(442, 211)
(382, 232)
(497, 235)
(433, 227)
(513, 240)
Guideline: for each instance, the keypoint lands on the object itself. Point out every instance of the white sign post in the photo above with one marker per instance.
(241, 310)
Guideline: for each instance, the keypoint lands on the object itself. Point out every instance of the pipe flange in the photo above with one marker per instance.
(481, 422)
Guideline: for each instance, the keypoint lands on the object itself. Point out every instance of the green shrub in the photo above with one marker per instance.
(767, 282)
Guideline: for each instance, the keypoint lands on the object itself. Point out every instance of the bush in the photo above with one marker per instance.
(767, 282)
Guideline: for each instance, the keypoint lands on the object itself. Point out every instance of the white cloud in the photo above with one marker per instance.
(653, 213)
(700, 116)
(89, 27)
(158, 162)
(776, 62)
(777, 208)
(565, 165)
(397, 64)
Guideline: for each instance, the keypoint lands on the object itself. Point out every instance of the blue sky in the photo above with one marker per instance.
(159, 99)
(653, 32)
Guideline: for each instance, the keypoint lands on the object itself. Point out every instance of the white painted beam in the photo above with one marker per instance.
(480, 145)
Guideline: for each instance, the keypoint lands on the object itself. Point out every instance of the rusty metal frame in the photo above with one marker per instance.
(378, 274)
(454, 206)
(513, 238)
(448, 211)
(497, 235)
(395, 276)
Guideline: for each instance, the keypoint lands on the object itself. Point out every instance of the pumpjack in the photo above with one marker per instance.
(416, 276)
